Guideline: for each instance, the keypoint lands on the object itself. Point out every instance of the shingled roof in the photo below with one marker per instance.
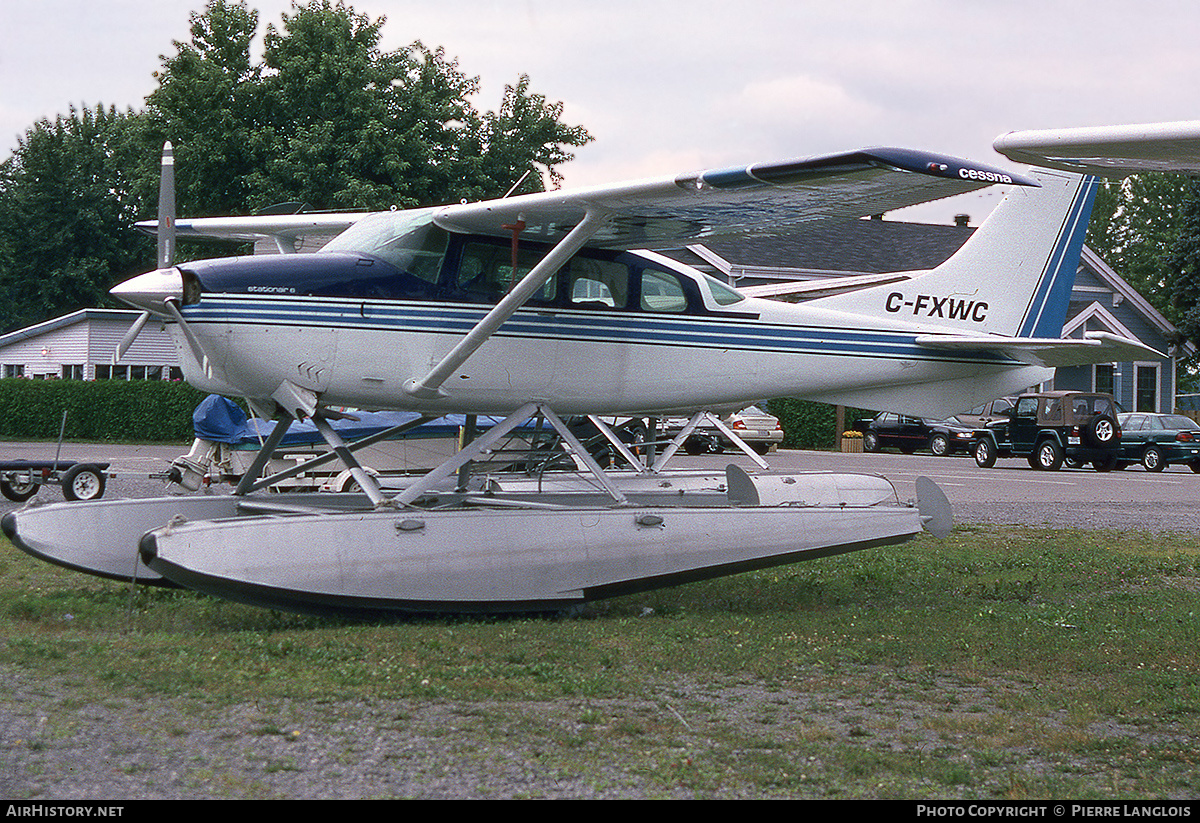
(856, 246)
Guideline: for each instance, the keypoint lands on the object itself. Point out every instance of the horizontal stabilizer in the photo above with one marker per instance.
(822, 287)
(255, 227)
(1108, 151)
(1095, 347)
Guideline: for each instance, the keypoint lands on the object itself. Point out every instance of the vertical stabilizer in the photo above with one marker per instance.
(1012, 277)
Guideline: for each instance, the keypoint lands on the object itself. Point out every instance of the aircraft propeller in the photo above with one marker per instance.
(166, 241)
(165, 272)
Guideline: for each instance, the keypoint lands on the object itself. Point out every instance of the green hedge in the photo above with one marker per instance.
(143, 411)
(150, 411)
(810, 425)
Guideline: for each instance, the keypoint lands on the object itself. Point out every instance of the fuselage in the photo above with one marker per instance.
(611, 332)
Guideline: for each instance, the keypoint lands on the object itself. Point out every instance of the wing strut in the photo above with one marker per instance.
(429, 387)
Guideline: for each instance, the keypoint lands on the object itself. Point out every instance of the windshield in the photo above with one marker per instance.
(406, 239)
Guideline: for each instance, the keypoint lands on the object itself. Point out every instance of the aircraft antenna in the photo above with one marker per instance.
(518, 183)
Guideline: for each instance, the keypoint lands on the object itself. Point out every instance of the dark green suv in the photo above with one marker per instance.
(1048, 428)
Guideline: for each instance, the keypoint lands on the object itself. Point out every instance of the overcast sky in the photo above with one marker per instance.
(667, 87)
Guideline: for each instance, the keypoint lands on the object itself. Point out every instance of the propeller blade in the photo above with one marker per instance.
(130, 336)
(166, 208)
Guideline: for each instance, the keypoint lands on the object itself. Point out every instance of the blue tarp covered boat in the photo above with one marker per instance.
(219, 420)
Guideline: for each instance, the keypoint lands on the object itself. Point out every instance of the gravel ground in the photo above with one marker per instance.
(52, 749)
(1121, 515)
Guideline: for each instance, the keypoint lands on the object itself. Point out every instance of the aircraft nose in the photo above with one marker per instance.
(151, 290)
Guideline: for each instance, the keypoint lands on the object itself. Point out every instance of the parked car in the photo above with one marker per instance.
(1049, 427)
(908, 434)
(760, 430)
(1158, 440)
(980, 416)
(949, 437)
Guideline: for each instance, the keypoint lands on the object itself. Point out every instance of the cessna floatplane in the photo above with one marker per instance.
(559, 303)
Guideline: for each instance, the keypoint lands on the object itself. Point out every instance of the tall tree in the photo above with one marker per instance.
(331, 119)
(209, 104)
(1182, 262)
(326, 117)
(1134, 225)
(67, 207)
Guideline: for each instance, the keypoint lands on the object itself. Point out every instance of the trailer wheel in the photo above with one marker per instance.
(83, 482)
(18, 491)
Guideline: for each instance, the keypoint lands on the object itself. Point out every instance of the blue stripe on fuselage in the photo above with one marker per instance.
(589, 326)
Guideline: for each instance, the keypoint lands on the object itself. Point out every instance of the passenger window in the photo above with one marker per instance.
(662, 292)
(721, 293)
(598, 283)
(1027, 407)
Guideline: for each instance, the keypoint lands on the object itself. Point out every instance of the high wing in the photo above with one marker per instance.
(664, 212)
(1108, 151)
(1053, 353)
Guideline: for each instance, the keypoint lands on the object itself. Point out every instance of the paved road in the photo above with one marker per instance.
(1009, 493)
(1014, 493)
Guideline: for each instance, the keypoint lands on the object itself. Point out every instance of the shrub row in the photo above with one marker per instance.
(810, 425)
(149, 411)
(144, 411)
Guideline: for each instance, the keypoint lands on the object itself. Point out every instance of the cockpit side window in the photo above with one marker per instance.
(721, 293)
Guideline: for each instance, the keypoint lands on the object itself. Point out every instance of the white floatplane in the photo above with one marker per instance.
(557, 303)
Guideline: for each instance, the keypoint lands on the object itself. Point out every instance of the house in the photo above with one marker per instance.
(81, 345)
(1100, 300)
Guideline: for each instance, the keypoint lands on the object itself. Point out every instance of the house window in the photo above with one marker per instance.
(1146, 388)
(14, 370)
(1105, 378)
(105, 371)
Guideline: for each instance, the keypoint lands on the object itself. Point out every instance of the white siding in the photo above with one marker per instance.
(86, 338)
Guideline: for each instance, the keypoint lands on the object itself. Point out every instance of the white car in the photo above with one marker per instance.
(760, 430)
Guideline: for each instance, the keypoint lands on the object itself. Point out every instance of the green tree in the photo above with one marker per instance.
(331, 120)
(67, 207)
(1147, 228)
(209, 104)
(1183, 264)
(525, 135)
(326, 118)
(1135, 223)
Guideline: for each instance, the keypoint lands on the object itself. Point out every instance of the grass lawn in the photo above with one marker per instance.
(1000, 662)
